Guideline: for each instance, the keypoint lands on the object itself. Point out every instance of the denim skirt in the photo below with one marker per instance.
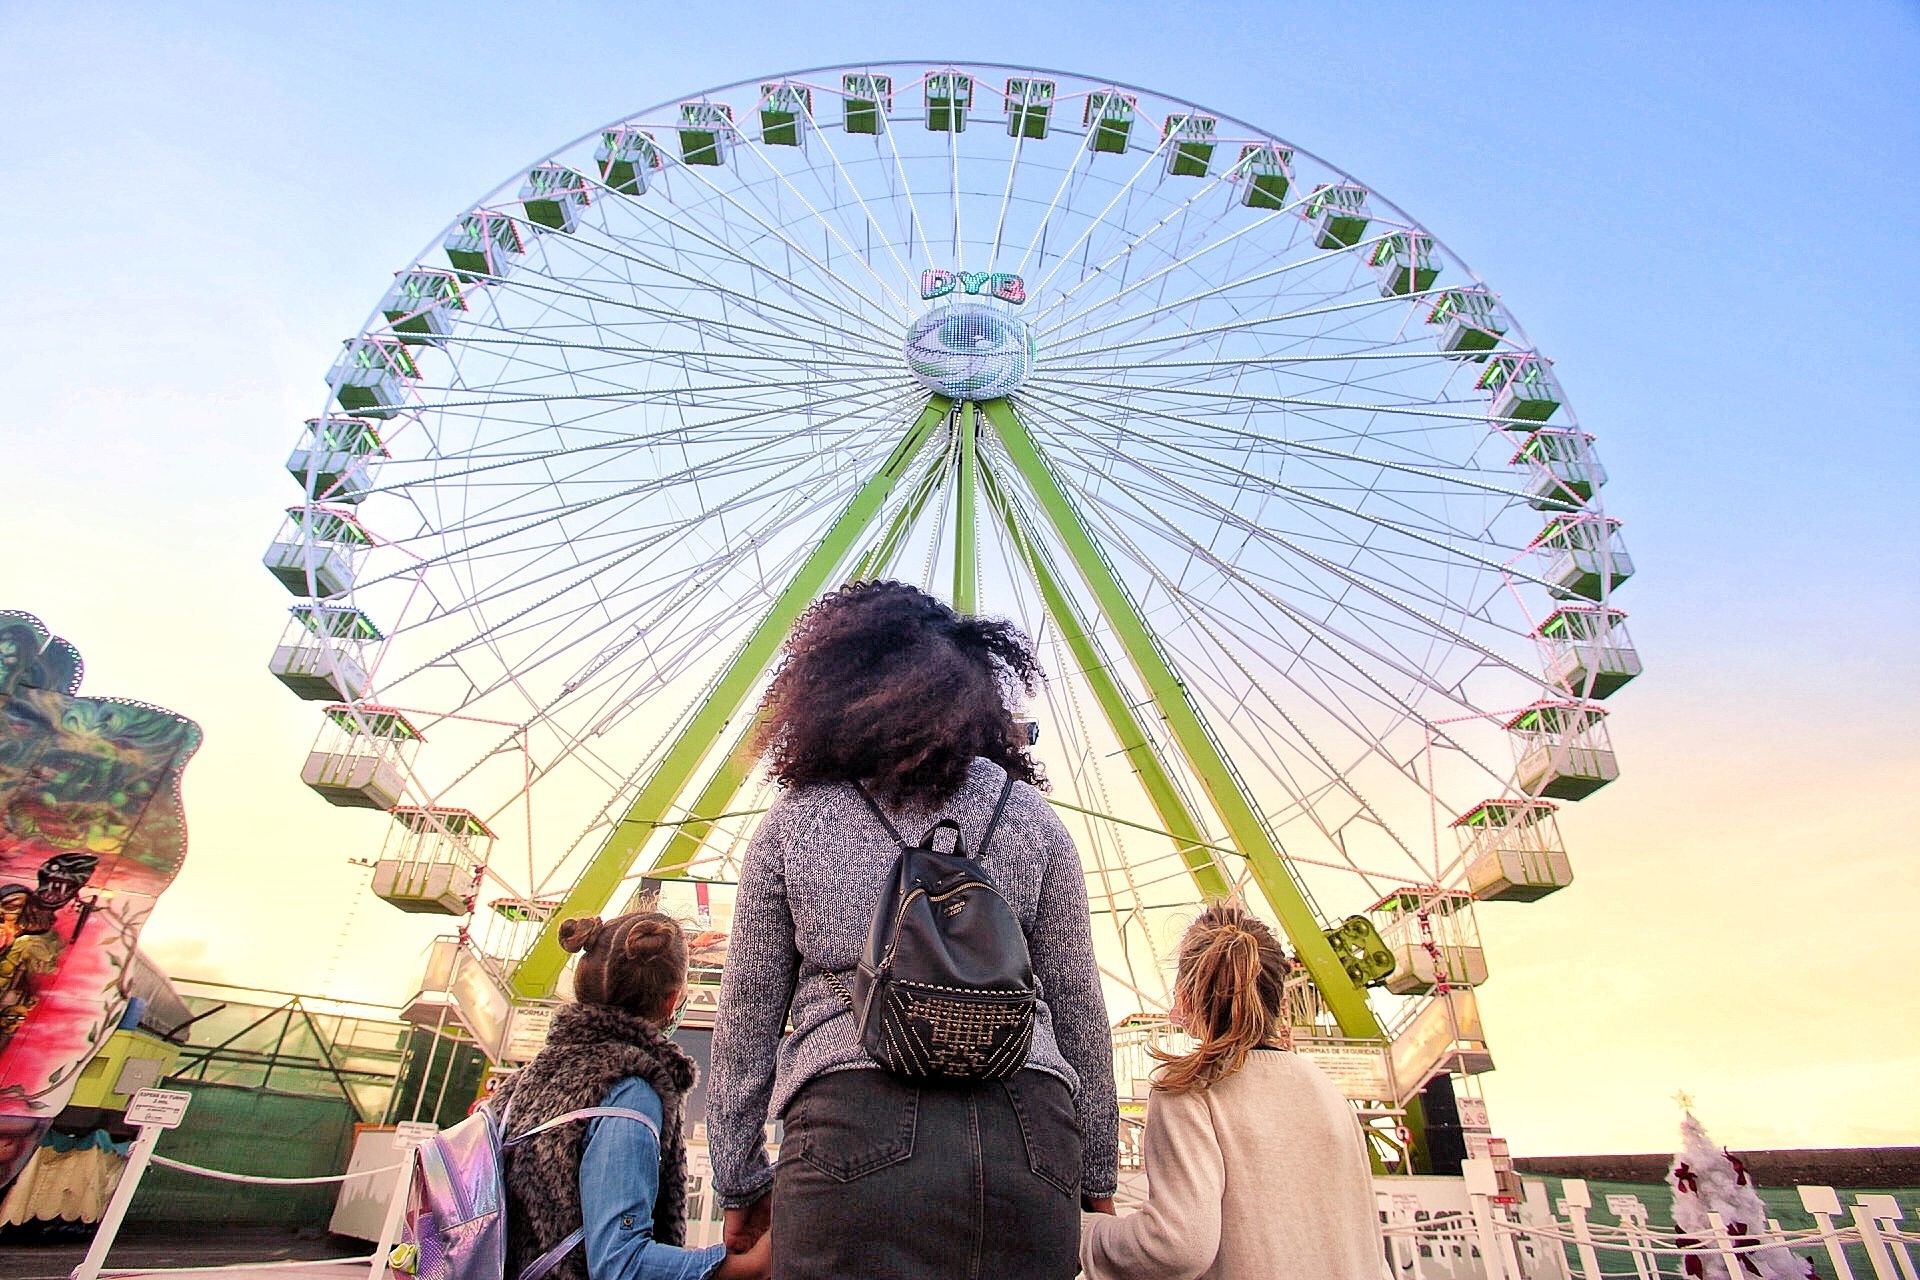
(880, 1177)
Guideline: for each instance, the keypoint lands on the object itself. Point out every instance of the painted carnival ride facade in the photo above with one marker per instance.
(92, 831)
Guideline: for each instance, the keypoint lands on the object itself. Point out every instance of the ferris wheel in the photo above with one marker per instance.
(1308, 537)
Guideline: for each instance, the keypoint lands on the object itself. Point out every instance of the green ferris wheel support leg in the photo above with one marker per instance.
(708, 806)
(887, 545)
(966, 565)
(734, 770)
(540, 969)
(1244, 825)
(1165, 797)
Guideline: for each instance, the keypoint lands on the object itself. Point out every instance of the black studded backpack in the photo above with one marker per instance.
(945, 988)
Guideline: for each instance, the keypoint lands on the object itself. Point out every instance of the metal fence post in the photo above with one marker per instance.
(1575, 1200)
(137, 1158)
(152, 1112)
(407, 1135)
(1723, 1243)
(1886, 1209)
(1482, 1185)
(1867, 1213)
(1823, 1206)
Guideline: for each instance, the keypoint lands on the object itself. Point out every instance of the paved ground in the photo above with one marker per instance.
(51, 1255)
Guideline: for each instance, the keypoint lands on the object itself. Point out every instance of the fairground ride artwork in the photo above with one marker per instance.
(91, 832)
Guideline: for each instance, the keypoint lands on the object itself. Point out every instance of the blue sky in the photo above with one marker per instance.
(1696, 213)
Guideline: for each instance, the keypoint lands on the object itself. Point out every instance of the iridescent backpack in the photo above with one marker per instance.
(456, 1225)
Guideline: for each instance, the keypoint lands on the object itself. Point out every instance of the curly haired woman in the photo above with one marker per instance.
(886, 688)
(1255, 1165)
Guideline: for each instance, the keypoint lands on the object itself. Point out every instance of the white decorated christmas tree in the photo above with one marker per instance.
(1709, 1179)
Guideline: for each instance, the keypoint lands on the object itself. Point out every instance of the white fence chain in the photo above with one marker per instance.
(264, 1181)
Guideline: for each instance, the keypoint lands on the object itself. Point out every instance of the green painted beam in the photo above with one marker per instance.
(1243, 822)
(737, 767)
(710, 804)
(1188, 837)
(887, 546)
(966, 551)
(540, 969)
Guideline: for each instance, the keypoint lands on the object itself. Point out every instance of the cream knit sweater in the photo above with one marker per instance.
(1264, 1176)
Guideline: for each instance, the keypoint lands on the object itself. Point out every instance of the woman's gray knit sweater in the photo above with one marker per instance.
(812, 877)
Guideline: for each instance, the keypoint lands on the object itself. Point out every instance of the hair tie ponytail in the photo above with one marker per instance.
(1231, 988)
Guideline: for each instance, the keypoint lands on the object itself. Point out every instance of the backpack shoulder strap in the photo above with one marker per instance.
(986, 837)
(586, 1113)
(877, 813)
(540, 1266)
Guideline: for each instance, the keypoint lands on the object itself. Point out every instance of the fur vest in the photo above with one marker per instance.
(591, 1048)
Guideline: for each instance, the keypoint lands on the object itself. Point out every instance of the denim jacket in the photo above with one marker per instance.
(619, 1178)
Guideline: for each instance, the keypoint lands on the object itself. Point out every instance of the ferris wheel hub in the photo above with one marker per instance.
(969, 351)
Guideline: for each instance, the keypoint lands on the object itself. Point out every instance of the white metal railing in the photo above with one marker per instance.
(1431, 1228)
(1459, 1229)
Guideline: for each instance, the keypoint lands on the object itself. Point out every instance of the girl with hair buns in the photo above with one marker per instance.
(1255, 1164)
(619, 1180)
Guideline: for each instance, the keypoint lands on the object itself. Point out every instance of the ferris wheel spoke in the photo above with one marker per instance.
(954, 189)
(535, 372)
(916, 226)
(1339, 711)
(1092, 409)
(1135, 243)
(730, 251)
(667, 665)
(1423, 622)
(827, 273)
(1214, 289)
(666, 393)
(527, 554)
(1298, 792)
(866, 211)
(1006, 202)
(665, 672)
(828, 225)
(1438, 538)
(1274, 354)
(678, 531)
(1302, 402)
(1248, 323)
(1227, 516)
(636, 349)
(579, 540)
(1060, 259)
(733, 426)
(756, 304)
(1249, 362)
(1068, 172)
(672, 317)
(682, 474)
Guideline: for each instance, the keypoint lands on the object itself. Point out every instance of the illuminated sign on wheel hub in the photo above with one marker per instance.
(970, 351)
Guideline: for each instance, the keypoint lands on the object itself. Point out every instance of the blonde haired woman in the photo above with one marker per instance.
(1255, 1165)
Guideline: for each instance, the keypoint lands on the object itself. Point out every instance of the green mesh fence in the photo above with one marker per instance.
(249, 1130)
